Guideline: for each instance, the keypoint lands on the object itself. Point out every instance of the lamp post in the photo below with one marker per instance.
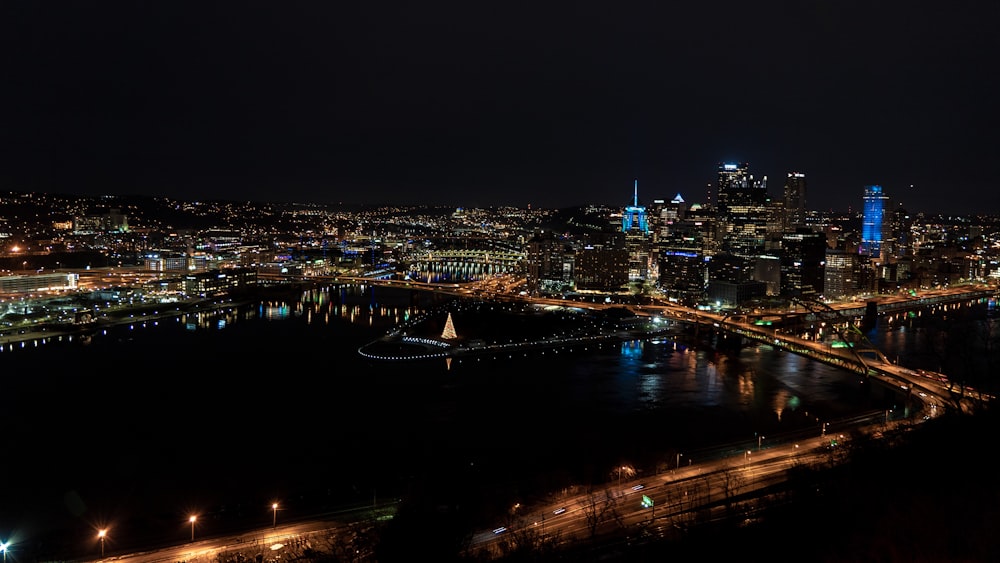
(678, 464)
(192, 520)
(100, 535)
(274, 519)
(3, 548)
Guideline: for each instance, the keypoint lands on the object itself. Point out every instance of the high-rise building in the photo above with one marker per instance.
(795, 201)
(734, 187)
(742, 211)
(846, 274)
(635, 225)
(550, 265)
(802, 263)
(602, 263)
(873, 222)
(683, 276)
(901, 224)
(663, 215)
(634, 218)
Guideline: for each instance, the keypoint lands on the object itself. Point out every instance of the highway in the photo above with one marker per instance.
(333, 533)
(652, 506)
(657, 506)
(690, 493)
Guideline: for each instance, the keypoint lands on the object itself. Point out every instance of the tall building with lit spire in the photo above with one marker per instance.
(635, 225)
(634, 217)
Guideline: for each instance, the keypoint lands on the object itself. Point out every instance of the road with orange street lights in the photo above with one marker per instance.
(639, 507)
(319, 533)
(657, 507)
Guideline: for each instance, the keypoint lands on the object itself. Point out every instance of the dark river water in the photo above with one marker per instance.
(223, 413)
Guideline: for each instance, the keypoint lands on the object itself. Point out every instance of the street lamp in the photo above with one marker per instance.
(3, 548)
(192, 520)
(100, 535)
(624, 469)
(274, 519)
(678, 464)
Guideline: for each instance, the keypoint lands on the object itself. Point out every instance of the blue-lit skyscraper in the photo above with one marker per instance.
(872, 222)
(635, 225)
(634, 217)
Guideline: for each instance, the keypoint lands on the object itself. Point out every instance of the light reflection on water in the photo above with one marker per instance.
(309, 392)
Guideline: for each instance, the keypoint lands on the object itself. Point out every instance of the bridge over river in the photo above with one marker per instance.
(859, 356)
(852, 352)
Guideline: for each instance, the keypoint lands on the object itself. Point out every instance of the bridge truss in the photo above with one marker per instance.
(860, 346)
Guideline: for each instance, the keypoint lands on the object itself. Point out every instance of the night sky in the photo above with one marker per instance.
(551, 104)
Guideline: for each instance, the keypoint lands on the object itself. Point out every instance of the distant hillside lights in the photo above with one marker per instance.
(111, 221)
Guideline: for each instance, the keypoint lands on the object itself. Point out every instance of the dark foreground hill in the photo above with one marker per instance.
(928, 495)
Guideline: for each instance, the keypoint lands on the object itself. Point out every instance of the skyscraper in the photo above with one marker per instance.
(873, 222)
(634, 218)
(795, 201)
(742, 210)
(735, 187)
(635, 225)
(802, 262)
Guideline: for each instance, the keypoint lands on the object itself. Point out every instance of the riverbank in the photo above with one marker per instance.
(116, 316)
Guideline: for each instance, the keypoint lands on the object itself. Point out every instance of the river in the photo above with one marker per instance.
(222, 413)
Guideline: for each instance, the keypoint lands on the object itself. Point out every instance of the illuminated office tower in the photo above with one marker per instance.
(840, 276)
(873, 222)
(795, 201)
(663, 215)
(743, 210)
(635, 225)
(732, 186)
(601, 263)
(550, 265)
(802, 263)
(683, 275)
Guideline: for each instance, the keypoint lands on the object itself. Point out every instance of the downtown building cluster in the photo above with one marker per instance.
(743, 245)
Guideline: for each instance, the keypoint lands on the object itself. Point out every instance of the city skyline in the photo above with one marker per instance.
(454, 105)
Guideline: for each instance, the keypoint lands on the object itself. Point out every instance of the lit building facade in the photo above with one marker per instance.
(550, 265)
(795, 201)
(683, 276)
(802, 263)
(873, 222)
(635, 225)
(602, 263)
(743, 210)
(846, 274)
(38, 282)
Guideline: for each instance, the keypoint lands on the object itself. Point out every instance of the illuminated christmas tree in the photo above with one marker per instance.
(449, 330)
